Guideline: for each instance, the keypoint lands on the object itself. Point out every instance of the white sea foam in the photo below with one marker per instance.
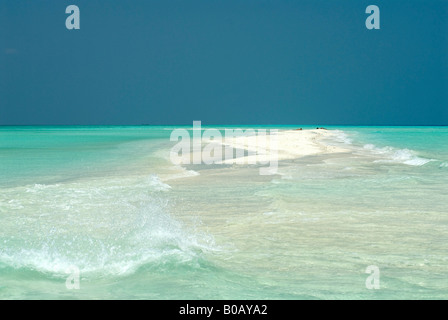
(104, 227)
(156, 184)
(179, 173)
(158, 239)
(393, 155)
(342, 136)
(37, 187)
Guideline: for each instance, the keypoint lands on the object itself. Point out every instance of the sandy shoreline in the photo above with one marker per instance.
(254, 147)
(282, 145)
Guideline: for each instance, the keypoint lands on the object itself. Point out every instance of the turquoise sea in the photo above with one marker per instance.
(108, 202)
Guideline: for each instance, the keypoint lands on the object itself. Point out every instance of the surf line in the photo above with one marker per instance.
(191, 150)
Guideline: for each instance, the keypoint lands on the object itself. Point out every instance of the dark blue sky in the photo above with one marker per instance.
(224, 62)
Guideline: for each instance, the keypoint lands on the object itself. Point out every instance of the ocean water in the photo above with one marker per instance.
(107, 202)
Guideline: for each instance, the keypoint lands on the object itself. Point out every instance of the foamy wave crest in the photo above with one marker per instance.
(102, 228)
(444, 165)
(342, 136)
(393, 155)
(156, 184)
(154, 239)
(181, 172)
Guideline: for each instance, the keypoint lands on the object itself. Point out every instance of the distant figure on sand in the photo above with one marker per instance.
(322, 128)
(299, 129)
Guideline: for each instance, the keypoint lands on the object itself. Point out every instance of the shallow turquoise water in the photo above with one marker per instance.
(108, 201)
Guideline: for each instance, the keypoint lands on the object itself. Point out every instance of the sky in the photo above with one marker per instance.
(235, 62)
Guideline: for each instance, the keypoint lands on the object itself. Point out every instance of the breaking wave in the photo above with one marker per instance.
(393, 155)
(102, 228)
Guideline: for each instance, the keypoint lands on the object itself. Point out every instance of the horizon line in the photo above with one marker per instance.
(215, 124)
